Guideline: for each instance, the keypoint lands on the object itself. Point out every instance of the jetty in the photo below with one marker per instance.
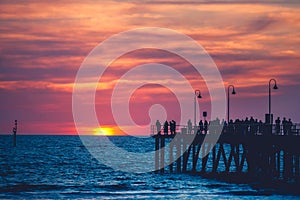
(236, 153)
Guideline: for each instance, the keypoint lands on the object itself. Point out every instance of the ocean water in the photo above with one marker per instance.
(56, 167)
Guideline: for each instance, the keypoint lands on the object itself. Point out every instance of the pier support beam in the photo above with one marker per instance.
(178, 153)
(156, 154)
(171, 157)
(162, 154)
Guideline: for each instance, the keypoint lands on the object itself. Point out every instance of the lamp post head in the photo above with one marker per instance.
(275, 84)
(198, 94)
(233, 90)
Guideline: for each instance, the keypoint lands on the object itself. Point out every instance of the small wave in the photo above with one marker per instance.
(28, 187)
(248, 193)
(215, 186)
(114, 187)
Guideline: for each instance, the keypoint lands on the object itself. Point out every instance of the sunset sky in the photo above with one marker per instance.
(43, 44)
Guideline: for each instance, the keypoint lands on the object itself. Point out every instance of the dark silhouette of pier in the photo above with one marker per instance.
(258, 151)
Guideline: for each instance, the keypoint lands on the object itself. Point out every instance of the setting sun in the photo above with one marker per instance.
(104, 131)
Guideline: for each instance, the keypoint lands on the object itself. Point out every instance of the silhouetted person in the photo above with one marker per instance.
(190, 126)
(173, 127)
(158, 127)
(205, 127)
(212, 126)
(215, 125)
(284, 126)
(201, 126)
(217, 122)
(252, 126)
(246, 125)
(225, 126)
(224, 122)
(256, 127)
(238, 127)
(230, 128)
(289, 127)
(166, 128)
(277, 126)
(261, 127)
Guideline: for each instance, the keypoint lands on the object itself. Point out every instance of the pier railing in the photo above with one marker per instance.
(254, 129)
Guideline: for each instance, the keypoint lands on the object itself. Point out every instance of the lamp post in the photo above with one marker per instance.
(275, 88)
(228, 95)
(197, 95)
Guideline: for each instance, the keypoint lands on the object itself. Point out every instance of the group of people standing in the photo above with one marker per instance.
(238, 127)
(257, 127)
(202, 128)
(245, 127)
(167, 125)
(286, 126)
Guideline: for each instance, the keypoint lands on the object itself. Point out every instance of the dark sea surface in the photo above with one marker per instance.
(56, 167)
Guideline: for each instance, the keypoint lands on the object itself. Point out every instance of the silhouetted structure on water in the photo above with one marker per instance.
(249, 147)
(15, 133)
